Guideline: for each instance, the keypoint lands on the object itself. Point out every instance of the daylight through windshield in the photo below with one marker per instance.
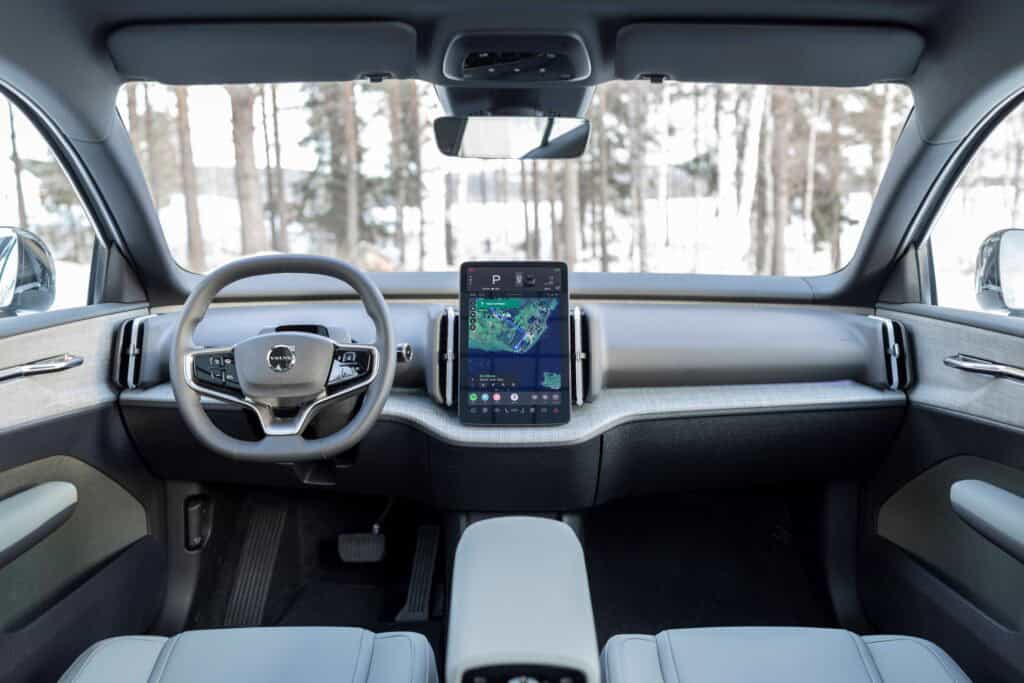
(678, 177)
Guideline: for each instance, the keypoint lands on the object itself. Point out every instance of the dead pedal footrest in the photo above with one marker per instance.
(256, 566)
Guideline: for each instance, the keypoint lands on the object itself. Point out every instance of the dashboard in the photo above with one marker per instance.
(660, 396)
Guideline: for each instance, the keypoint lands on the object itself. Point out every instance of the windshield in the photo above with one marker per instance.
(677, 177)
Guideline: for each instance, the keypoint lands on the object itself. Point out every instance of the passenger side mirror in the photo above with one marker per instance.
(999, 277)
(27, 278)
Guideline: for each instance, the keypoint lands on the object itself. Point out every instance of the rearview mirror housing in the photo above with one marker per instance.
(27, 276)
(999, 276)
(512, 137)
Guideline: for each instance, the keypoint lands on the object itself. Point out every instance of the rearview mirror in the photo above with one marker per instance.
(999, 276)
(511, 137)
(27, 281)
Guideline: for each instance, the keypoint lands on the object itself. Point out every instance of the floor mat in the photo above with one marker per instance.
(722, 560)
(327, 603)
(309, 584)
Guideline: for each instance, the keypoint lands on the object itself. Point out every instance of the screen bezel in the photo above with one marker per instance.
(566, 343)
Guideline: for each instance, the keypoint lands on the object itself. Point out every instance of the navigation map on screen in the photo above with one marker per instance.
(514, 351)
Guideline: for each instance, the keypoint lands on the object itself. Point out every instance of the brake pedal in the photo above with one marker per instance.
(363, 548)
(417, 601)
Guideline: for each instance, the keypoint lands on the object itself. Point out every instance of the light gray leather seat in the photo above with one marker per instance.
(259, 655)
(760, 655)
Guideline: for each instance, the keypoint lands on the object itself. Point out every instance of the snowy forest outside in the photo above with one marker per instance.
(700, 178)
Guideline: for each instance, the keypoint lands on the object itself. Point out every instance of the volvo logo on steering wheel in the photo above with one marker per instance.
(281, 358)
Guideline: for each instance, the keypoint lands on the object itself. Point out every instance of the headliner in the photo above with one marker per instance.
(56, 52)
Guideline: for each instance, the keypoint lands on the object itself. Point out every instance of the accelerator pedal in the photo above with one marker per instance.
(421, 580)
(256, 565)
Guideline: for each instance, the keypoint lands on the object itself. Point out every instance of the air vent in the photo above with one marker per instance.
(448, 353)
(896, 349)
(128, 352)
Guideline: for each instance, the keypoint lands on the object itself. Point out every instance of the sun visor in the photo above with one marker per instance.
(263, 52)
(770, 53)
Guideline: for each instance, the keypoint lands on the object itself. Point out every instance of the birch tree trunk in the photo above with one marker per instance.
(524, 195)
(762, 228)
(782, 123)
(602, 187)
(283, 217)
(534, 190)
(196, 250)
(552, 190)
(665, 166)
(398, 165)
(152, 163)
(450, 183)
(134, 126)
(812, 146)
(834, 175)
(16, 162)
(748, 182)
(247, 186)
(268, 170)
(352, 179)
(570, 212)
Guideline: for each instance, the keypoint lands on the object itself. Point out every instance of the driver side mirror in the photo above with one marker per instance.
(999, 277)
(27, 278)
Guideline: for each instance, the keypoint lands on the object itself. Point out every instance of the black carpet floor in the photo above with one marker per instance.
(738, 559)
(310, 585)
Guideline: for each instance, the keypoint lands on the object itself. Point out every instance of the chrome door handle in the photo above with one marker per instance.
(64, 361)
(985, 367)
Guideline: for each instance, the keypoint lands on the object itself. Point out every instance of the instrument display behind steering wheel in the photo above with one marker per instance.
(285, 378)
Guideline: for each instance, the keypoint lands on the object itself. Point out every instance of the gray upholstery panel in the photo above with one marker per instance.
(756, 655)
(31, 515)
(902, 658)
(994, 512)
(801, 54)
(259, 655)
(234, 52)
(129, 658)
(920, 518)
(105, 520)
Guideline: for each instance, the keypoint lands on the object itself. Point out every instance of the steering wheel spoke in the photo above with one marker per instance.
(354, 367)
(212, 371)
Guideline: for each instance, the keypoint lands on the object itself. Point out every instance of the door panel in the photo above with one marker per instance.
(100, 571)
(923, 569)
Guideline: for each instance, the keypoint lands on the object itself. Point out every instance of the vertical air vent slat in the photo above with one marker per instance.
(896, 352)
(128, 352)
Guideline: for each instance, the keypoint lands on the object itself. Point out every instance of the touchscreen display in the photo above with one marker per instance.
(514, 343)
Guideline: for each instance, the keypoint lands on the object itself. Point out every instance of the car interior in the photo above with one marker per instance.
(532, 342)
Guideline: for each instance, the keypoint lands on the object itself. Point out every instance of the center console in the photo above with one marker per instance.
(520, 607)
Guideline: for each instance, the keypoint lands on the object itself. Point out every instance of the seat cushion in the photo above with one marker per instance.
(259, 655)
(756, 655)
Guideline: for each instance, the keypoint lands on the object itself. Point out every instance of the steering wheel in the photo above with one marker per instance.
(285, 378)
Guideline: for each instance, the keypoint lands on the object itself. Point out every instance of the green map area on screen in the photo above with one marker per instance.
(511, 324)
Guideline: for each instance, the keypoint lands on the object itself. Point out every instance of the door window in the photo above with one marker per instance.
(979, 225)
(42, 222)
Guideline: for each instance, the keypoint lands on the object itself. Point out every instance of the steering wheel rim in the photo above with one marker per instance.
(285, 447)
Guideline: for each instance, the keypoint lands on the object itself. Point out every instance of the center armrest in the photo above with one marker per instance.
(520, 605)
